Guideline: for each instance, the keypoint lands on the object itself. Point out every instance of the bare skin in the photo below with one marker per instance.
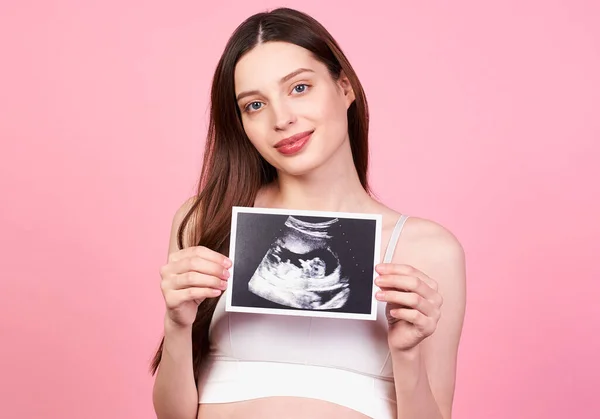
(278, 408)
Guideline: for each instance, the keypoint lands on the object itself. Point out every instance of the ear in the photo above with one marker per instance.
(346, 88)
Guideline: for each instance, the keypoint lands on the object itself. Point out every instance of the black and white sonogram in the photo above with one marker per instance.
(300, 270)
(305, 263)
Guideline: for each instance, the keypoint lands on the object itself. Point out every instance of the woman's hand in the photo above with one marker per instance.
(413, 304)
(190, 276)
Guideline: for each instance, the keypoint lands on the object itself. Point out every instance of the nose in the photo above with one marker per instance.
(284, 117)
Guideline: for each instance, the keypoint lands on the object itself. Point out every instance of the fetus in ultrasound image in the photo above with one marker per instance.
(300, 269)
(288, 263)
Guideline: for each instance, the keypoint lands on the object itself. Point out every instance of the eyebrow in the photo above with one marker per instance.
(283, 80)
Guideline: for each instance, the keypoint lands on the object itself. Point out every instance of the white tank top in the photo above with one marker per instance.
(341, 361)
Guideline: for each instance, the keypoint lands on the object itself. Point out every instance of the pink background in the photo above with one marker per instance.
(484, 118)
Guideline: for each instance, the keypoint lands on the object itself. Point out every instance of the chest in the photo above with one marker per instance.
(356, 345)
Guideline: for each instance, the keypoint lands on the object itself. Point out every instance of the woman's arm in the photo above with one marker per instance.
(174, 394)
(425, 375)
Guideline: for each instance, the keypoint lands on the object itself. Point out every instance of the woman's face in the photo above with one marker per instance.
(292, 110)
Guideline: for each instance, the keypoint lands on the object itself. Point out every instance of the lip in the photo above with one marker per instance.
(292, 145)
(293, 139)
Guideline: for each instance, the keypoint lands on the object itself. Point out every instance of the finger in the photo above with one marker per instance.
(198, 264)
(403, 269)
(201, 252)
(177, 297)
(425, 324)
(406, 283)
(409, 300)
(432, 283)
(195, 279)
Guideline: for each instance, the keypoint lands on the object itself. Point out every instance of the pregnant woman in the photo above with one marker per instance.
(289, 129)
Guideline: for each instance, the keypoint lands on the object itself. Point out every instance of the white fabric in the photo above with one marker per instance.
(337, 360)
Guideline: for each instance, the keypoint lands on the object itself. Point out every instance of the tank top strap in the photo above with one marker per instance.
(391, 247)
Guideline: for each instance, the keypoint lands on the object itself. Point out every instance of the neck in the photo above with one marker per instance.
(334, 186)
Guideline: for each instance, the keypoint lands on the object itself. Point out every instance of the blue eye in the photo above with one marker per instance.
(253, 106)
(300, 88)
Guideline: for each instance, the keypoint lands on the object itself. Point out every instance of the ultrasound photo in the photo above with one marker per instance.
(303, 263)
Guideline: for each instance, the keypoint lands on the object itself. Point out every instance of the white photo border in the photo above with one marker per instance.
(310, 213)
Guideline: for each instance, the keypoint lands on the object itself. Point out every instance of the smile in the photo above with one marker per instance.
(293, 144)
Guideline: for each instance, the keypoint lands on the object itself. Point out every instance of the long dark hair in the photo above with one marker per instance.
(233, 171)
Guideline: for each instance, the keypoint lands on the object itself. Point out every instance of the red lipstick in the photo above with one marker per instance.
(293, 144)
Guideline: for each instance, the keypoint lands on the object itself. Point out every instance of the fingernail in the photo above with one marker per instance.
(223, 285)
(225, 273)
(379, 294)
(226, 262)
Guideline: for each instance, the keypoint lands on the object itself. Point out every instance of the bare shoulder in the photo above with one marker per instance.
(182, 211)
(177, 219)
(434, 250)
(429, 240)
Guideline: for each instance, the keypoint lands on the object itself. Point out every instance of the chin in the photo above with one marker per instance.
(300, 165)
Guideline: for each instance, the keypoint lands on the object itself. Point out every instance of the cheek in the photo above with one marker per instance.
(333, 114)
(255, 131)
